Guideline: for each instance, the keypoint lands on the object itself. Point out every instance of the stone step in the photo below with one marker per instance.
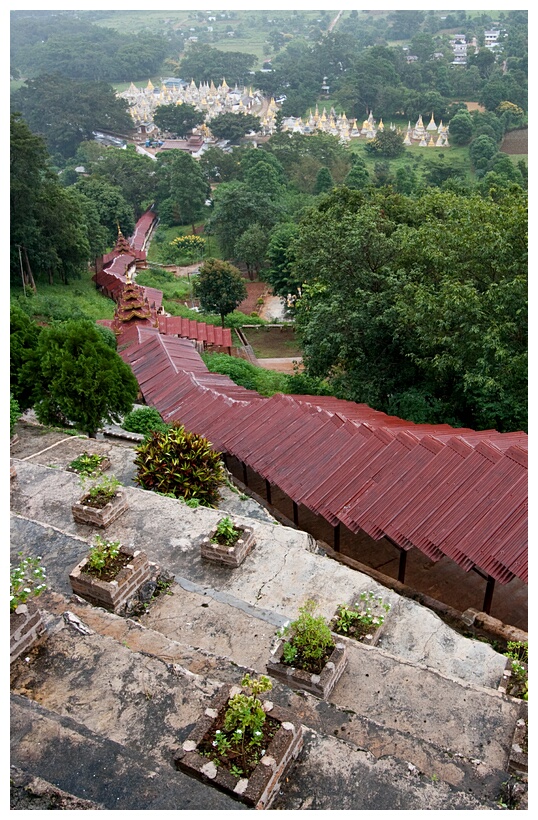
(90, 766)
(121, 657)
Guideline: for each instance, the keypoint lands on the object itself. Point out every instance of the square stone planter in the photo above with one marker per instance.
(112, 595)
(26, 629)
(320, 685)
(99, 517)
(371, 638)
(231, 556)
(259, 790)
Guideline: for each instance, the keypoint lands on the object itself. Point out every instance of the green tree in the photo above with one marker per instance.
(81, 379)
(263, 172)
(181, 181)
(24, 336)
(232, 127)
(236, 207)
(219, 165)
(65, 112)
(324, 181)
(110, 204)
(418, 305)
(204, 63)
(461, 128)
(220, 287)
(405, 180)
(47, 223)
(131, 172)
(481, 150)
(358, 177)
(178, 120)
(281, 258)
(387, 143)
(250, 248)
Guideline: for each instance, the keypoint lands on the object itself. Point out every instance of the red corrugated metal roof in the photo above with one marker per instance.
(449, 492)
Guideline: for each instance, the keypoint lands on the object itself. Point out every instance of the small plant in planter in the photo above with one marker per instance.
(89, 464)
(518, 684)
(226, 533)
(363, 619)
(102, 502)
(27, 581)
(308, 655)
(110, 575)
(227, 543)
(242, 745)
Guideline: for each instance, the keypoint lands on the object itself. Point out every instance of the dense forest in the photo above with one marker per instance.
(407, 271)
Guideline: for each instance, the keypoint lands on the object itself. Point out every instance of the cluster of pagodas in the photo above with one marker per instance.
(214, 100)
(340, 126)
(206, 97)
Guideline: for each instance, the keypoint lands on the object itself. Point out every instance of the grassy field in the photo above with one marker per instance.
(80, 299)
(159, 247)
(273, 342)
(417, 158)
(250, 27)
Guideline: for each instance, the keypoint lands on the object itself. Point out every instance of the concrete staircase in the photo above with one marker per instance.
(100, 707)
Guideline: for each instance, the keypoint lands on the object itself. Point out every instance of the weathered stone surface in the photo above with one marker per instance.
(424, 704)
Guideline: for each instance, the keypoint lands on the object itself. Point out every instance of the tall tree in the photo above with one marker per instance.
(437, 335)
(182, 185)
(111, 206)
(250, 248)
(47, 227)
(177, 120)
(232, 127)
(220, 287)
(236, 207)
(81, 379)
(65, 112)
(131, 172)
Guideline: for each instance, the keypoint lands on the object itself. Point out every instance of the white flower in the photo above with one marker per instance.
(218, 732)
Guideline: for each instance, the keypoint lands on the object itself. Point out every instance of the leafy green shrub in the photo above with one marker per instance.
(246, 729)
(87, 464)
(309, 640)
(107, 335)
(518, 652)
(362, 617)
(143, 420)
(265, 382)
(176, 461)
(26, 580)
(99, 493)
(101, 553)
(300, 384)
(14, 414)
(226, 533)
